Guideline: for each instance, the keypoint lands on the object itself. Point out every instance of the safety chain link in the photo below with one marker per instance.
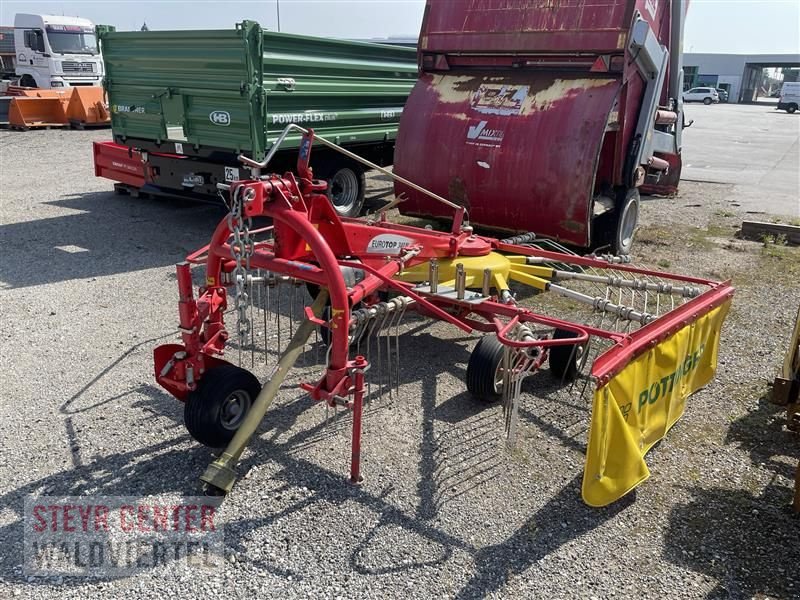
(242, 248)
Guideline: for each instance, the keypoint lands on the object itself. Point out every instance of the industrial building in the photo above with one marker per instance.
(7, 54)
(739, 74)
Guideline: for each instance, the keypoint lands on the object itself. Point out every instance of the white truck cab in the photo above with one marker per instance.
(56, 52)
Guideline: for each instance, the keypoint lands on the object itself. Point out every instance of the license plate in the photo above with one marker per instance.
(191, 180)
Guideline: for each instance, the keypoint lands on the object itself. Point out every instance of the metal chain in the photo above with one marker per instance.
(242, 248)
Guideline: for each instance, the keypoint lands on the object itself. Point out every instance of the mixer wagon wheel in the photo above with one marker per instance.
(627, 221)
(346, 187)
(566, 361)
(614, 229)
(216, 409)
(485, 369)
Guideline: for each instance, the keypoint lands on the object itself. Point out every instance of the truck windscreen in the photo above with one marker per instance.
(63, 42)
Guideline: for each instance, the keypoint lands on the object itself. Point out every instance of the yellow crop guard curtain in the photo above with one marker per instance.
(638, 406)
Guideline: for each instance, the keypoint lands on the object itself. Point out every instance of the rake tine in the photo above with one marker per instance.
(278, 316)
(301, 306)
(586, 379)
(251, 300)
(571, 358)
(506, 383)
(267, 278)
(368, 327)
(512, 439)
(380, 369)
(397, 345)
(292, 307)
(584, 362)
(633, 304)
(392, 372)
(261, 293)
(616, 319)
(516, 366)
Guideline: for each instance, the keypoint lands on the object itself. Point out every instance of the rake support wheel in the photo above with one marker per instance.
(215, 410)
(565, 361)
(484, 375)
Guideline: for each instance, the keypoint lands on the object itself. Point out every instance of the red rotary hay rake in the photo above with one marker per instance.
(638, 342)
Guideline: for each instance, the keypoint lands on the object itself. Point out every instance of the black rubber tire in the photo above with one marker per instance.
(627, 220)
(564, 361)
(28, 81)
(353, 176)
(608, 232)
(791, 109)
(482, 367)
(202, 413)
(707, 101)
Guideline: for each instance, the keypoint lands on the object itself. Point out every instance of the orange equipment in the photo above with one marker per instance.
(78, 106)
(87, 107)
(25, 112)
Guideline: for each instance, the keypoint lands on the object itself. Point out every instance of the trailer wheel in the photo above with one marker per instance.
(566, 361)
(627, 221)
(706, 101)
(346, 187)
(217, 408)
(484, 369)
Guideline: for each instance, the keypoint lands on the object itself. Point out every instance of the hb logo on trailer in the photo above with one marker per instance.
(220, 117)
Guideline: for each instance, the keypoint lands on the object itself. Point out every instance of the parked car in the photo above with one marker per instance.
(723, 94)
(790, 97)
(706, 95)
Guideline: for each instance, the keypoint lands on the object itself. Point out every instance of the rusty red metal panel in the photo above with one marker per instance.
(518, 150)
(117, 163)
(668, 184)
(527, 26)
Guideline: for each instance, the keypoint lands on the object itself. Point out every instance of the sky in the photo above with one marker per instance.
(724, 26)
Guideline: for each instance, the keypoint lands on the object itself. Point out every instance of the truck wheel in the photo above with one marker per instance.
(346, 186)
(706, 101)
(217, 408)
(791, 108)
(484, 369)
(28, 81)
(627, 221)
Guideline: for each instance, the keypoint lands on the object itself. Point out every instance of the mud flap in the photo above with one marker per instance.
(639, 405)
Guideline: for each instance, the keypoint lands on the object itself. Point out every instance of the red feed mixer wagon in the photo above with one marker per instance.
(635, 342)
(546, 117)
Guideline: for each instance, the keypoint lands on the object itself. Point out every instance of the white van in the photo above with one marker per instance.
(790, 97)
(56, 52)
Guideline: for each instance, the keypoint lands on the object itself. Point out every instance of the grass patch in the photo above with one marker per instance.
(655, 235)
(779, 262)
(794, 221)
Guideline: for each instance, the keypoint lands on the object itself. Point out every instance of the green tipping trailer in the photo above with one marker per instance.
(191, 101)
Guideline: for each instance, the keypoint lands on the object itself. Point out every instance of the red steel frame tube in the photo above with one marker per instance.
(358, 403)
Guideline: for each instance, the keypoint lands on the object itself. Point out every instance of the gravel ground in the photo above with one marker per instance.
(87, 289)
